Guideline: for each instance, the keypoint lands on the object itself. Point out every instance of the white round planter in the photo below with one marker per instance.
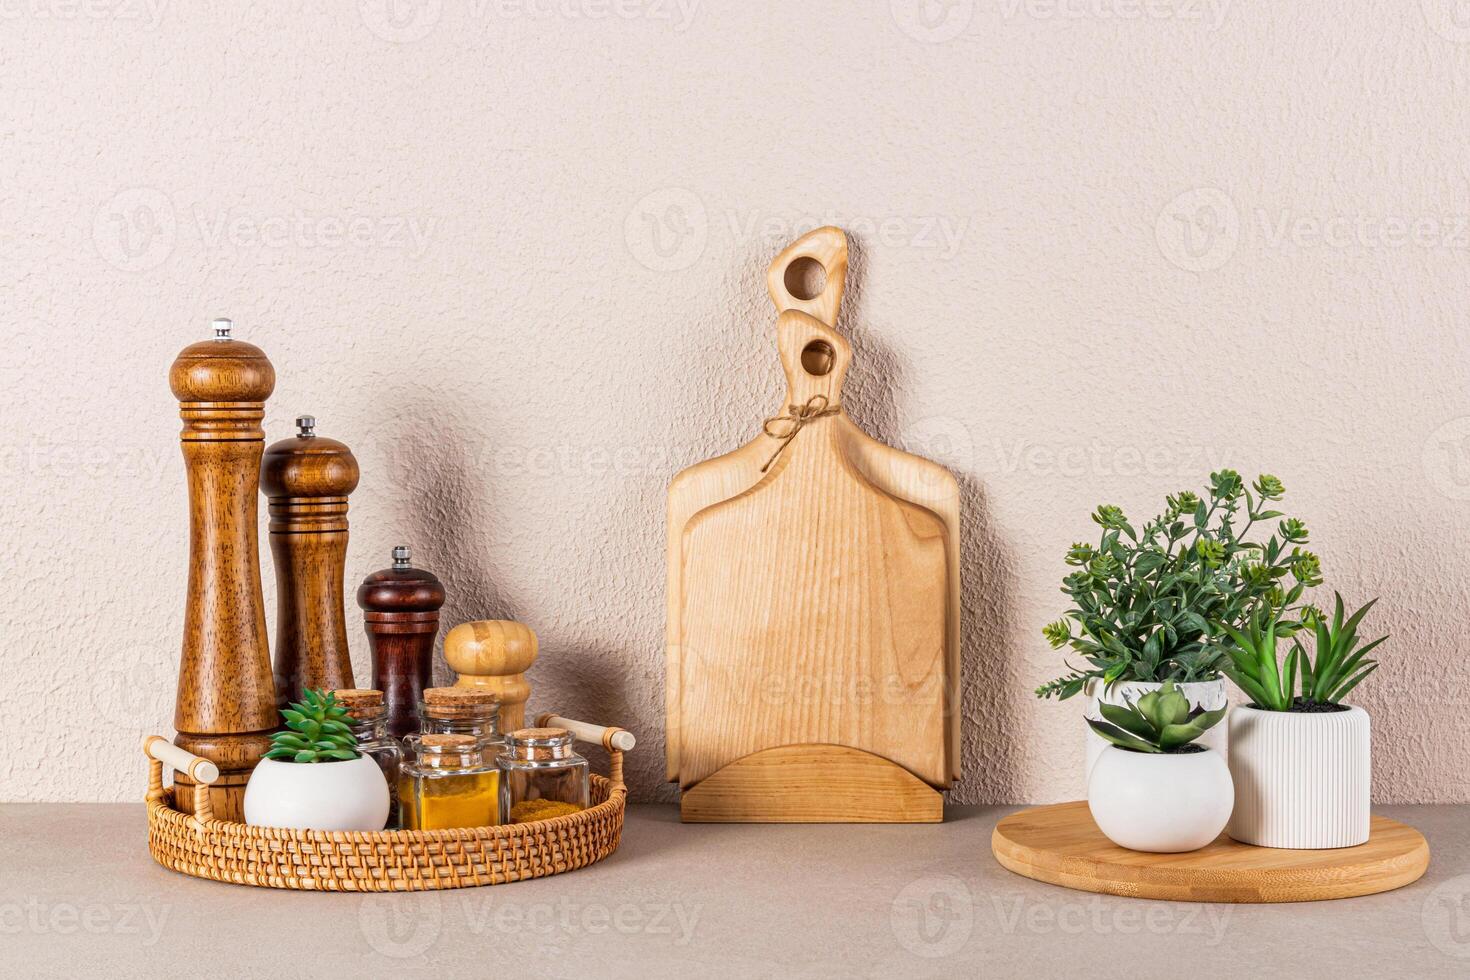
(351, 795)
(1200, 694)
(1165, 803)
(1301, 780)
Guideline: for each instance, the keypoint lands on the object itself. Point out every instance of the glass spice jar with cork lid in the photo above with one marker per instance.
(541, 776)
(447, 783)
(463, 711)
(367, 716)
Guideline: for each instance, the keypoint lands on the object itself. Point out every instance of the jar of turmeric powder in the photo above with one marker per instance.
(541, 776)
(447, 782)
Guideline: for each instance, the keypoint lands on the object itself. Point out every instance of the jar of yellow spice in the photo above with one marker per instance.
(448, 782)
(540, 776)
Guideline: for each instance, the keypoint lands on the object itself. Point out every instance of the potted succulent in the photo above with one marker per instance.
(1301, 762)
(1154, 788)
(314, 777)
(1149, 605)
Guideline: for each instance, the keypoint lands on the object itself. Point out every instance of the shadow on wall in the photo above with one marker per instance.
(993, 695)
(442, 510)
(445, 503)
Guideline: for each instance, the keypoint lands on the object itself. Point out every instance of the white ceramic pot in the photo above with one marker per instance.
(1301, 780)
(349, 795)
(1160, 802)
(1200, 694)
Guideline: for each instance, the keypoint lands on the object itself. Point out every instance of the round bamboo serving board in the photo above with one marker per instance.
(1061, 845)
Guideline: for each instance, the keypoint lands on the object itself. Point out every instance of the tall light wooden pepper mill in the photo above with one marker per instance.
(307, 479)
(401, 612)
(225, 708)
(494, 654)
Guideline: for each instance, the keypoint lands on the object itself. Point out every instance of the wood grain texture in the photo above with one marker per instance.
(494, 655)
(401, 615)
(815, 604)
(812, 784)
(225, 704)
(901, 475)
(1061, 845)
(307, 481)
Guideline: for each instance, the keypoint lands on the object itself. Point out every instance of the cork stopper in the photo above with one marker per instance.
(444, 751)
(360, 701)
(448, 741)
(461, 702)
(537, 734)
(539, 744)
(457, 696)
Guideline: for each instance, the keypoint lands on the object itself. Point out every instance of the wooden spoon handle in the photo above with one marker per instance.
(828, 248)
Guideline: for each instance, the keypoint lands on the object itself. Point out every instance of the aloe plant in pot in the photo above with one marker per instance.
(1302, 763)
(1150, 604)
(314, 777)
(1154, 788)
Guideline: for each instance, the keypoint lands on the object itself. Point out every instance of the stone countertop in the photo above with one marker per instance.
(79, 896)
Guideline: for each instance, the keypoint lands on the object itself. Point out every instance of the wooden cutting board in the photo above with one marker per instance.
(816, 602)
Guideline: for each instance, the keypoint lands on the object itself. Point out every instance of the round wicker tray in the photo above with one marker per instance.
(197, 844)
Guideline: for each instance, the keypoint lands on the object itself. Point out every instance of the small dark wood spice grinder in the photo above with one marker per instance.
(225, 708)
(307, 479)
(401, 612)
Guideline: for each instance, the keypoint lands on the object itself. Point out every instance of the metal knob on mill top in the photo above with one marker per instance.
(308, 479)
(225, 708)
(401, 614)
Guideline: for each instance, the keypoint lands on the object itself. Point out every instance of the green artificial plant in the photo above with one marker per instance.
(1339, 666)
(317, 731)
(1151, 604)
(1159, 722)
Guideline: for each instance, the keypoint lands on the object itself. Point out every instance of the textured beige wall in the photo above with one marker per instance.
(511, 252)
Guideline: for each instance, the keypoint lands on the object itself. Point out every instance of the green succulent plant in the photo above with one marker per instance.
(317, 731)
(1150, 604)
(1271, 682)
(1160, 722)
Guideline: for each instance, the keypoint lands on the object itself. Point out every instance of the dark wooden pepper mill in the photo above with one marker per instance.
(401, 611)
(225, 708)
(307, 479)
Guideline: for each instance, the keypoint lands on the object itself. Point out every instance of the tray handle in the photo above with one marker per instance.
(615, 740)
(161, 752)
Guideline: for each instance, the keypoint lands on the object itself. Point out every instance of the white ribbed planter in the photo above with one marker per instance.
(1301, 780)
(1200, 694)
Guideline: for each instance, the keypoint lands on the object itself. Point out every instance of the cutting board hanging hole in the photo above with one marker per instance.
(817, 358)
(805, 278)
